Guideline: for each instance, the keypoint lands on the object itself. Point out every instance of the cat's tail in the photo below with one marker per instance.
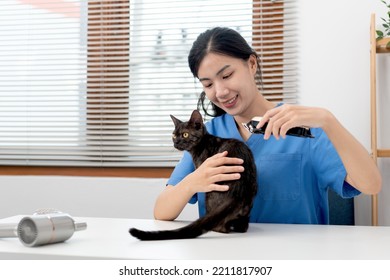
(192, 230)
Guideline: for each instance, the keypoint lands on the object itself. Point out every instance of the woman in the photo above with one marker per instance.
(294, 173)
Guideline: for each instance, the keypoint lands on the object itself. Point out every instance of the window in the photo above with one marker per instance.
(92, 83)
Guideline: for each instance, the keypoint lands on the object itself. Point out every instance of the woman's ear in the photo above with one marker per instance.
(252, 62)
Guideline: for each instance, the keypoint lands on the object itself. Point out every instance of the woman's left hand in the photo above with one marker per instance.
(280, 119)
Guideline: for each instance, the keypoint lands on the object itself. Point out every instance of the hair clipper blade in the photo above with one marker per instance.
(295, 131)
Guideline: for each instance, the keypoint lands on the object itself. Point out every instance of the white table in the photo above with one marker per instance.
(109, 239)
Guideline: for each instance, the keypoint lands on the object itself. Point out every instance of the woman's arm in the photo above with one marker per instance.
(217, 168)
(362, 172)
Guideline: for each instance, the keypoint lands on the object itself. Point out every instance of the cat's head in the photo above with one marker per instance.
(187, 135)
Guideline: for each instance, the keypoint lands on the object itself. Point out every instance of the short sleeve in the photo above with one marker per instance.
(182, 169)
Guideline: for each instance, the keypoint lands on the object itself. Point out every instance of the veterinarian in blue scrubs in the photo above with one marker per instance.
(294, 173)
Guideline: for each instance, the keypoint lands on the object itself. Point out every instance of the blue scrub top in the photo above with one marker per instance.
(293, 175)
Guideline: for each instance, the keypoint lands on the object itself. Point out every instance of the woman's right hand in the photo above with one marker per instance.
(218, 168)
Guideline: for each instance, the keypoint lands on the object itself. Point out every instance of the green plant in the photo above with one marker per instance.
(386, 25)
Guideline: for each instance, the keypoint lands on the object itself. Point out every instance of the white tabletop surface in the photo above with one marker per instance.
(107, 238)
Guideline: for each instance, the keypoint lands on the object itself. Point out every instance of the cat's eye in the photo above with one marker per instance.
(173, 136)
(185, 135)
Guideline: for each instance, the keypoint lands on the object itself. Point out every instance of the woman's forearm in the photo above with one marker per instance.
(217, 168)
(362, 171)
(172, 201)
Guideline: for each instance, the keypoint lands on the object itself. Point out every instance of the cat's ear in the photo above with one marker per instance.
(196, 119)
(176, 121)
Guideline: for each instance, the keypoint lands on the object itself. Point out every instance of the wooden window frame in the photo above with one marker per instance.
(142, 172)
(261, 46)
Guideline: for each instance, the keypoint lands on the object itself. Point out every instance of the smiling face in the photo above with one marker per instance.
(229, 83)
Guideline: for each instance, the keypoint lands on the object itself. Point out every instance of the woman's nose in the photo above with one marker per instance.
(221, 91)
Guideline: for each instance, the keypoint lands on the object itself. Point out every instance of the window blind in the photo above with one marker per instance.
(92, 83)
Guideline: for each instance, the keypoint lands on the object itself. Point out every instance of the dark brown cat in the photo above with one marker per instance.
(225, 211)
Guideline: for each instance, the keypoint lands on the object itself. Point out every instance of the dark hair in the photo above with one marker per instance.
(220, 40)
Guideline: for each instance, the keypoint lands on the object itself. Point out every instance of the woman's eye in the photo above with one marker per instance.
(185, 134)
(208, 86)
(227, 76)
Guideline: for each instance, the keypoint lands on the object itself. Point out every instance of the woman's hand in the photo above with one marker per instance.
(280, 119)
(217, 168)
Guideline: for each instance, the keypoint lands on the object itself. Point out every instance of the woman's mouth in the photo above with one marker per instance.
(231, 102)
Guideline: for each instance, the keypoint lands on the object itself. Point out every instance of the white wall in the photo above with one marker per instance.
(334, 72)
(84, 196)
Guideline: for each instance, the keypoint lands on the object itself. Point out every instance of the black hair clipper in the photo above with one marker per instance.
(295, 131)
